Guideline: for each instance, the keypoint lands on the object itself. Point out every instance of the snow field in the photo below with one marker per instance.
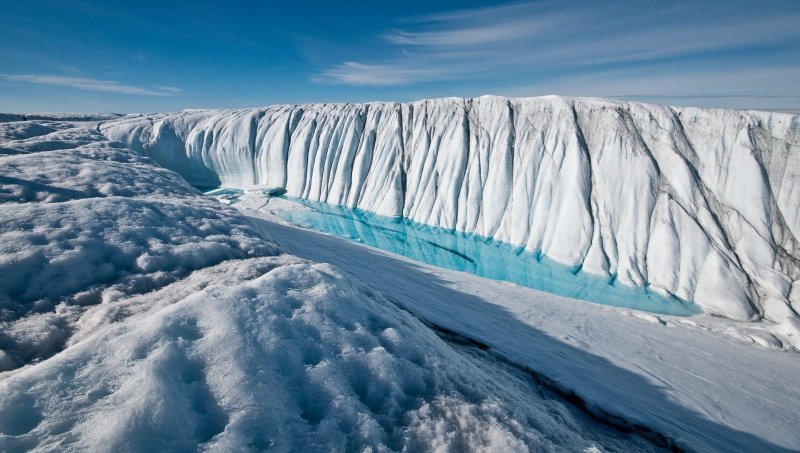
(705, 382)
(139, 315)
(160, 319)
(282, 354)
(93, 224)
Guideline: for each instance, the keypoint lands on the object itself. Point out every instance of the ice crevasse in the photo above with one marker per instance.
(701, 204)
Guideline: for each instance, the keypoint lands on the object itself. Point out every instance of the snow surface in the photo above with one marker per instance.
(57, 116)
(709, 384)
(700, 204)
(93, 223)
(140, 315)
(282, 354)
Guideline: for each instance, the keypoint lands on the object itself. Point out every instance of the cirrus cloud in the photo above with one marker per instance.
(109, 86)
(533, 38)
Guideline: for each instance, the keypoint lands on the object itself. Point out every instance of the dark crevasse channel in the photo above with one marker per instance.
(478, 255)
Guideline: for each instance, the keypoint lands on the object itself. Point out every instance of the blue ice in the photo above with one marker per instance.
(480, 256)
(226, 195)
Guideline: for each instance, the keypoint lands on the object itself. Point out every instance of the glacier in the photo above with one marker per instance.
(708, 383)
(700, 204)
(138, 314)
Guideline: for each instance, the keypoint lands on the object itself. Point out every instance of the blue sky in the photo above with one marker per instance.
(168, 55)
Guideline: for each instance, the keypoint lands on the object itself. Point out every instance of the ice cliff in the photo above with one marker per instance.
(702, 204)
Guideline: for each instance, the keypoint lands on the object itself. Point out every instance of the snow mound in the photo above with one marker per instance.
(35, 136)
(700, 204)
(283, 354)
(94, 171)
(92, 224)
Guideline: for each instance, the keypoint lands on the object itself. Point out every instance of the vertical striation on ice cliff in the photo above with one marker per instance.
(702, 204)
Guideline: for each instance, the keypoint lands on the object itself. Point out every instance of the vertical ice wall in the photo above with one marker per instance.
(702, 204)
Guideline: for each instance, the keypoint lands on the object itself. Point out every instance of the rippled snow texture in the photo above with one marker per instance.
(93, 223)
(282, 354)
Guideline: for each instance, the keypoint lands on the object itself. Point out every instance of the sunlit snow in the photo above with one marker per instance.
(700, 204)
(138, 314)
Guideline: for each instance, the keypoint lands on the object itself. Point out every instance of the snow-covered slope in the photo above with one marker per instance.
(138, 315)
(281, 354)
(702, 204)
(701, 381)
(89, 222)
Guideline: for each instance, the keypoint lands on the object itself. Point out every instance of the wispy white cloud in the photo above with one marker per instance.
(468, 34)
(531, 37)
(109, 86)
(354, 73)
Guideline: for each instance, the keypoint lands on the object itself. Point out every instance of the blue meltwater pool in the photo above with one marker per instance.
(480, 256)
